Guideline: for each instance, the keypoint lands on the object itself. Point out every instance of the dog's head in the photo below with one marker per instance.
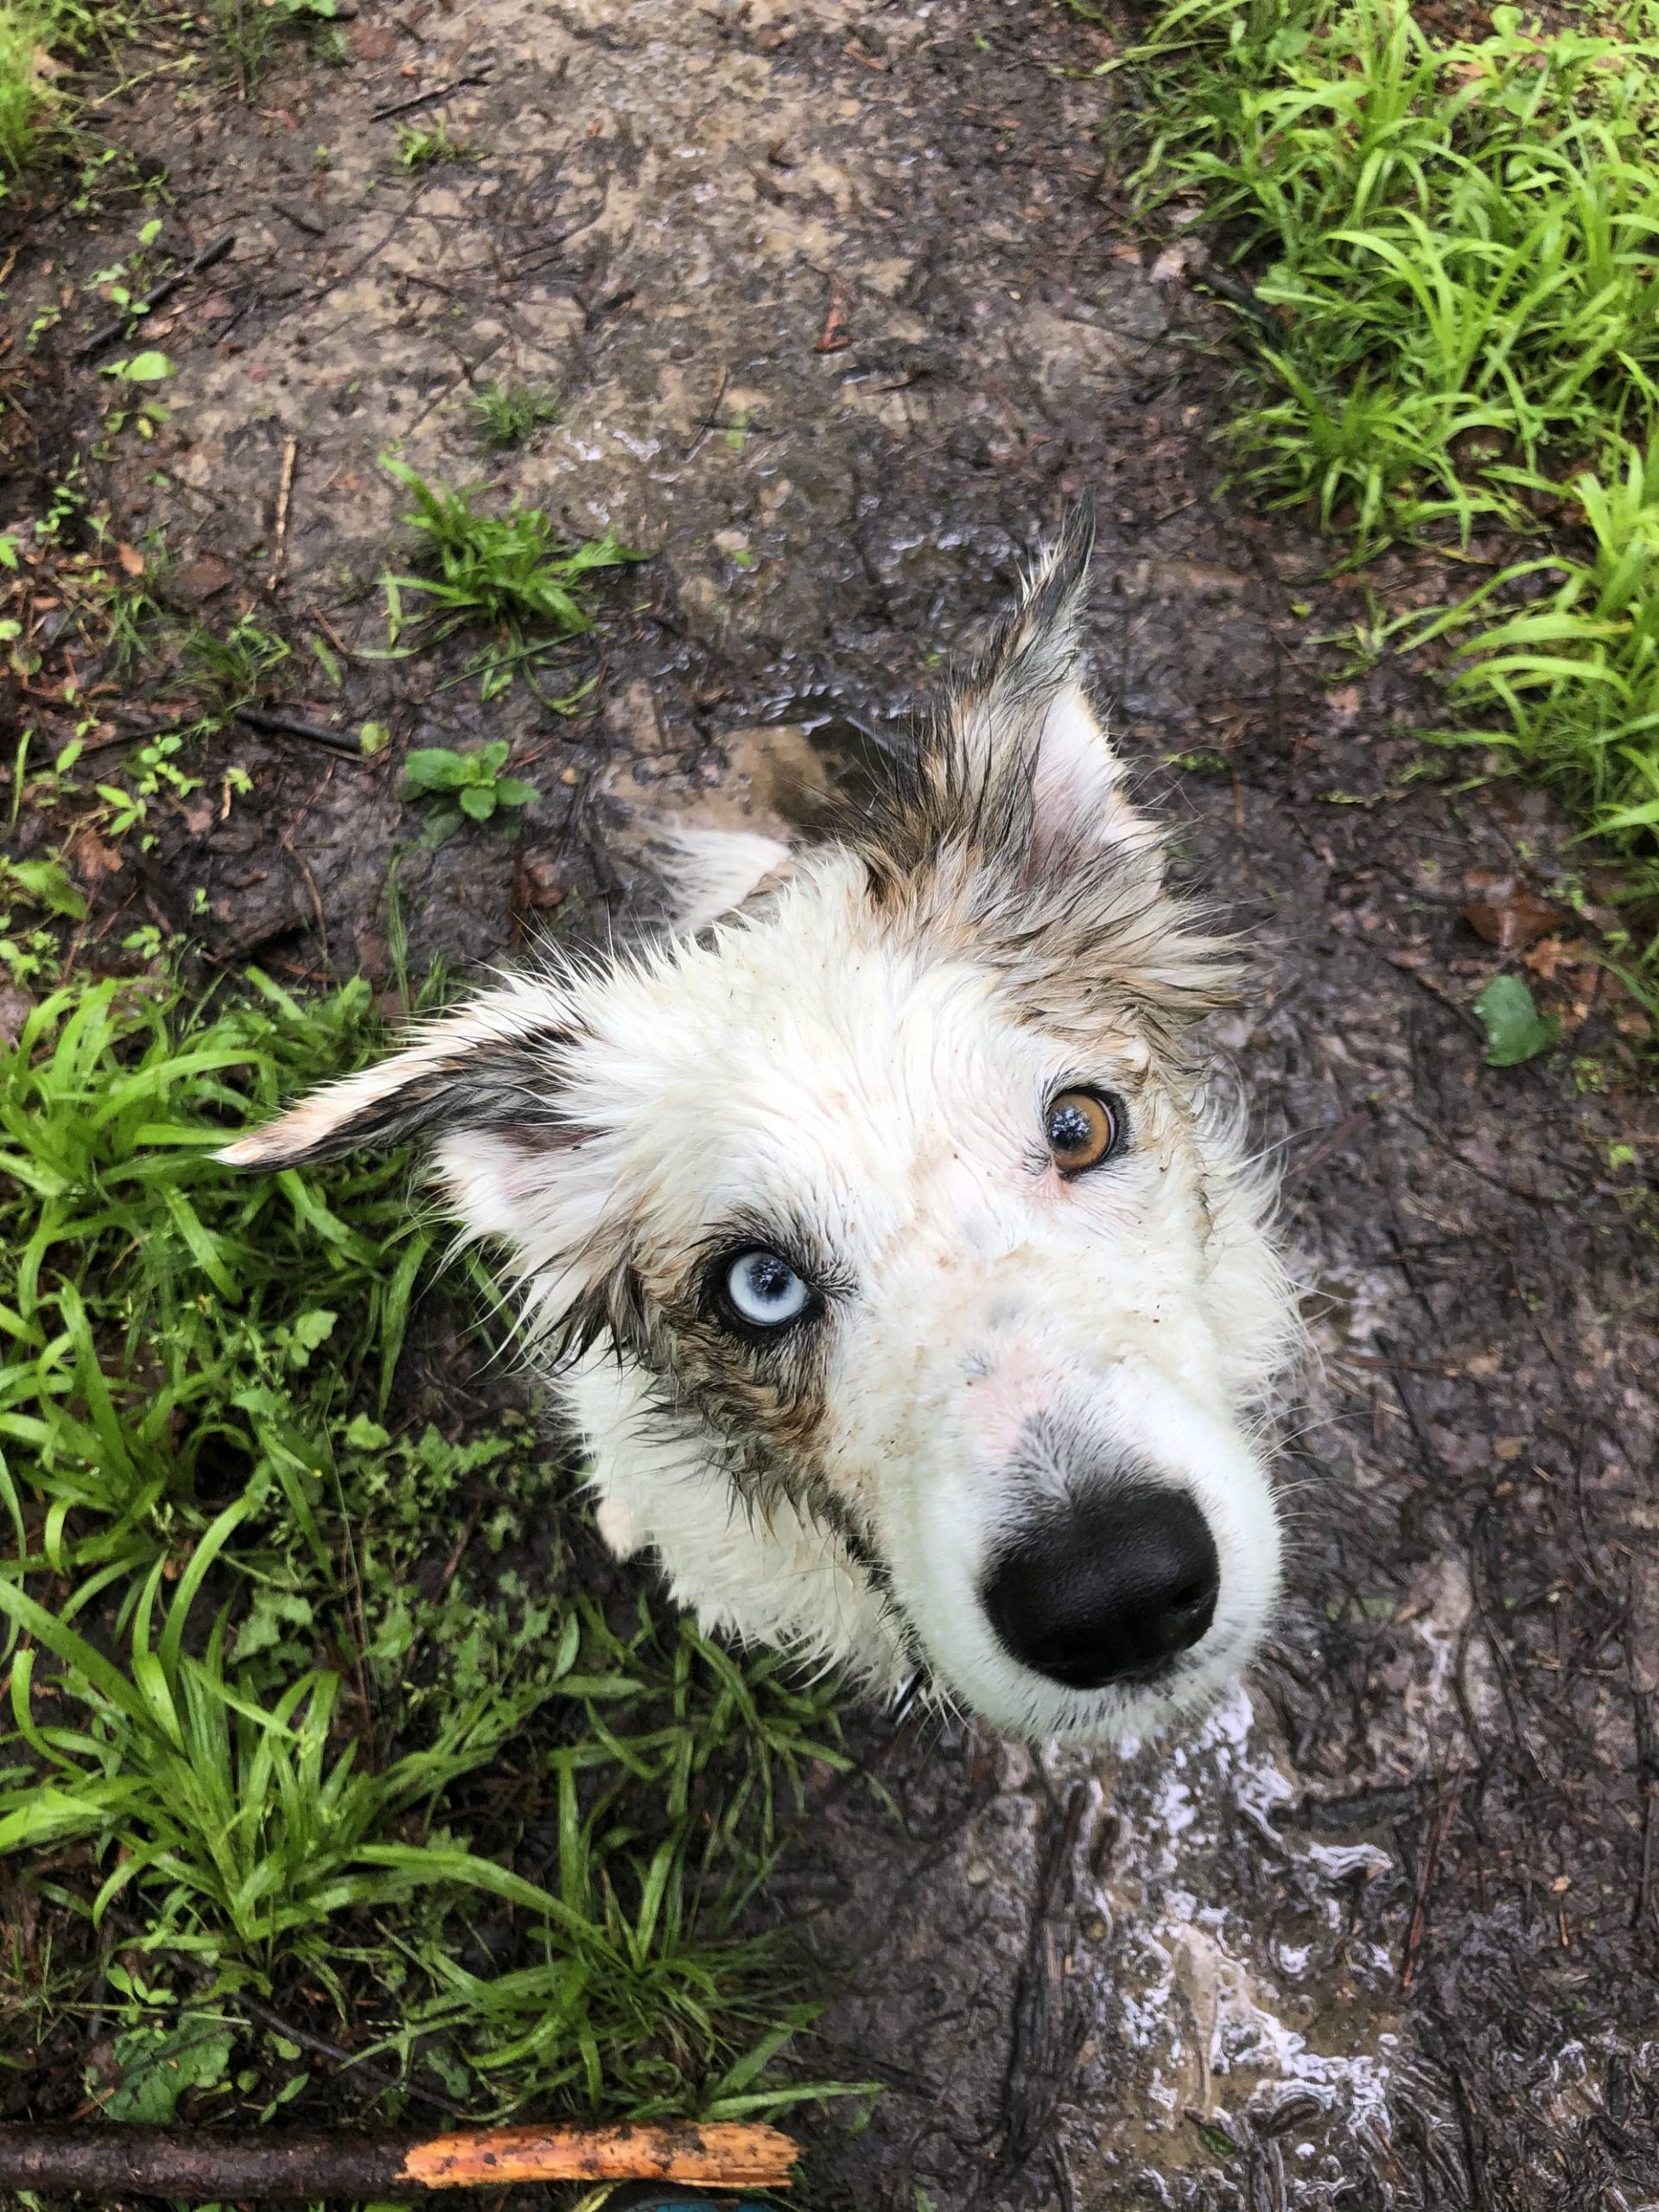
(893, 1189)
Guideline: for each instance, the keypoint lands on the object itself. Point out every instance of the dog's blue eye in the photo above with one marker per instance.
(765, 1291)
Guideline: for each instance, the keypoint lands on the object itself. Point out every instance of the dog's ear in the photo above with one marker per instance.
(712, 874)
(1025, 730)
(490, 1084)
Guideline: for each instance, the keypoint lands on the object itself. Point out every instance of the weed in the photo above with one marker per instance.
(246, 31)
(278, 1645)
(510, 574)
(230, 666)
(26, 98)
(470, 781)
(424, 146)
(510, 415)
(1458, 243)
(1459, 300)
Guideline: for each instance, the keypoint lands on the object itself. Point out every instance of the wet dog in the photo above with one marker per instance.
(886, 1241)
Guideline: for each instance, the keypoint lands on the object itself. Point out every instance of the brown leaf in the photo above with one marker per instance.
(204, 577)
(132, 560)
(372, 42)
(1508, 913)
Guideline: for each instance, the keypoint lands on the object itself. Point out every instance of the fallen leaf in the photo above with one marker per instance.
(1507, 912)
(1551, 954)
(132, 560)
(204, 577)
(372, 42)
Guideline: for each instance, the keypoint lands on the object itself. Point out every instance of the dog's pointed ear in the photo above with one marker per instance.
(490, 1085)
(492, 1065)
(1025, 719)
(713, 873)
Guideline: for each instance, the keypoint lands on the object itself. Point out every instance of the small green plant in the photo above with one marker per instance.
(470, 783)
(425, 146)
(510, 415)
(246, 31)
(1516, 1031)
(28, 100)
(511, 574)
(230, 666)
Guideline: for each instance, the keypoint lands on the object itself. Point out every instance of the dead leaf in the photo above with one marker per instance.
(132, 560)
(545, 884)
(372, 42)
(1507, 912)
(95, 861)
(204, 578)
(1344, 699)
(1551, 954)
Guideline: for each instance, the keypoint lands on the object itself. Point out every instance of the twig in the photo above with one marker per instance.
(337, 741)
(211, 2164)
(285, 494)
(708, 422)
(347, 2061)
(208, 258)
(424, 99)
(301, 219)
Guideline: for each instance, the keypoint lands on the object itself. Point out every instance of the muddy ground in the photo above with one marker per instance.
(844, 304)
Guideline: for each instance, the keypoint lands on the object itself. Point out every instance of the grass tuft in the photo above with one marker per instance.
(511, 574)
(304, 1694)
(1455, 259)
(510, 415)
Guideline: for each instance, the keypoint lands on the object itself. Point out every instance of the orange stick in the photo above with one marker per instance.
(216, 2163)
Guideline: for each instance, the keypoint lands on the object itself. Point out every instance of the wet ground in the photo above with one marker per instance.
(843, 307)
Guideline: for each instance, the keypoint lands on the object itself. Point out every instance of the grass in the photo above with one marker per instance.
(1454, 306)
(427, 146)
(37, 38)
(510, 415)
(511, 575)
(308, 1696)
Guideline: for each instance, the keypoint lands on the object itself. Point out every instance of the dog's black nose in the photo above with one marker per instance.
(1108, 1586)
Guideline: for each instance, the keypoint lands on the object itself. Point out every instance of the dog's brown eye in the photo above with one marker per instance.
(1082, 1129)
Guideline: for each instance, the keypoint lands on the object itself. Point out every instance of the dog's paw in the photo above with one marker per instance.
(622, 1533)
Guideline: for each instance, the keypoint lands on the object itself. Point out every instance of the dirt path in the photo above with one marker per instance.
(841, 316)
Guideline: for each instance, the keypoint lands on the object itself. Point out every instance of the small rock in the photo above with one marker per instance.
(545, 884)
(15, 1007)
(204, 578)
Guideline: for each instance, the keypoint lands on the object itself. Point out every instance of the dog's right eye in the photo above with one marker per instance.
(762, 1290)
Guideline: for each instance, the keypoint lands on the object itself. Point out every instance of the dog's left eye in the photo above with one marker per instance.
(1082, 1129)
(764, 1290)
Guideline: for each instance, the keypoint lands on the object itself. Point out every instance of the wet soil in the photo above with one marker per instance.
(843, 307)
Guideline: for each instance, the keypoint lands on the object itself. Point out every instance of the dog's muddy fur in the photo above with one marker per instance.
(844, 315)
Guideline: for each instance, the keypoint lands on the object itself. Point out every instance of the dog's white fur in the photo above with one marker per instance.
(849, 1052)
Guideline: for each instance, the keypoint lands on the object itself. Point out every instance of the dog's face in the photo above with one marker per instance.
(891, 1201)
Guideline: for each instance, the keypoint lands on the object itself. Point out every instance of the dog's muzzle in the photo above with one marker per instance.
(1111, 1585)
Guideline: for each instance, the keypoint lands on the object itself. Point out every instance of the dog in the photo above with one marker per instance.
(895, 1257)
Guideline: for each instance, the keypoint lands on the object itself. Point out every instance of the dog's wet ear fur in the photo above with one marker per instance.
(1023, 727)
(1010, 823)
(489, 1086)
(490, 1065)
(712, 874)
